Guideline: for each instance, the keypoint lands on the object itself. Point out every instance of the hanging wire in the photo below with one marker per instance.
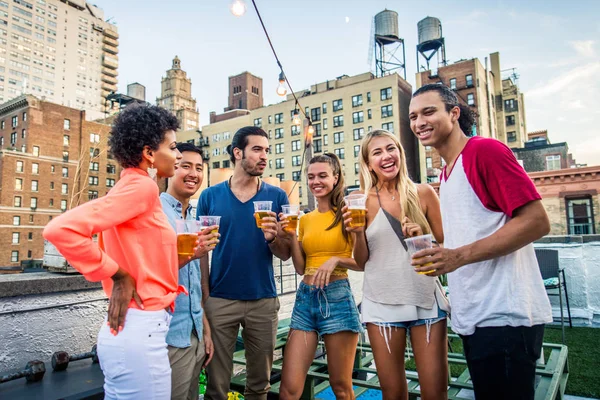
(296, 104)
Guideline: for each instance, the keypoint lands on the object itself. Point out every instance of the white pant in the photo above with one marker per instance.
(136, 361)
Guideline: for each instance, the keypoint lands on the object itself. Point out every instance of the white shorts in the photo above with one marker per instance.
(135, 363)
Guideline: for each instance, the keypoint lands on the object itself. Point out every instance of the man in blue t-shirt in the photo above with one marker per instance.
(240, 289)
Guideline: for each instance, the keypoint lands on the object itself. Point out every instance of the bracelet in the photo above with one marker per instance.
(272, 240)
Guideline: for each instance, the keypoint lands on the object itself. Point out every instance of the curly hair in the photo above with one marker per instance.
(136, 127)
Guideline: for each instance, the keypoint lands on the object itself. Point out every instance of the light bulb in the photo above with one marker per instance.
(311, 130)
(281, 89)
(296, 118)
(237, 8)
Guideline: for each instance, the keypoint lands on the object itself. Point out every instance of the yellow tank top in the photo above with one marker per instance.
(320, 244)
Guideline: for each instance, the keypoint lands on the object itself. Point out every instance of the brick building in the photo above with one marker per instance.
(51, 159)
(538, 154)
(245, 92)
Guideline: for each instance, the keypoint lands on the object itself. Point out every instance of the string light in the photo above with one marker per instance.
(281, 89)
(237, 8)
(296, 118)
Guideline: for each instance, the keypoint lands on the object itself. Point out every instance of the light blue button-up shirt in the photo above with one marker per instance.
(188, 309)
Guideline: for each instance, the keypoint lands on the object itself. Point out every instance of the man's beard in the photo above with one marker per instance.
(250, 171)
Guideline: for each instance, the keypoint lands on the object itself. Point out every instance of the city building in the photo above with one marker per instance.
(245, 92)
(497, 102)
(51, 159)
(538, 154)
(341, 110)
(176, 96)
(62, 51)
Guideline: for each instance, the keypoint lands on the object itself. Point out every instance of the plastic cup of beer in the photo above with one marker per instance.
(261, 210)
(418, 243)
(290, 213)
(209, 220)
(357, 205)
(187, 235)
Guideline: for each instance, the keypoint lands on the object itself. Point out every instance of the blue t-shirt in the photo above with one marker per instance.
(242, 263)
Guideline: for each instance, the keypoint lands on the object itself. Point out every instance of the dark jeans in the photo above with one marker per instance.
(502, 361)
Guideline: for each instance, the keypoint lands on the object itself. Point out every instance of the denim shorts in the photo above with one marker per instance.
(325, 311)
(409, 324)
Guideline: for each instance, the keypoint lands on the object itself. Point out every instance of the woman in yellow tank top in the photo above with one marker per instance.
(324, 305)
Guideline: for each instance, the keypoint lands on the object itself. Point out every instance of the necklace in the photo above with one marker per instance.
(257, 184)
(393, 195)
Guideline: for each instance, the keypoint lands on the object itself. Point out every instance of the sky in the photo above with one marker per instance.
(554, 46)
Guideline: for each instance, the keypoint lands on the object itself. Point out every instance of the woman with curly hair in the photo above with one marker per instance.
(135, 257)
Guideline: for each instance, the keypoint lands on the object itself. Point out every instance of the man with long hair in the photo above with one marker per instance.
(491, 214)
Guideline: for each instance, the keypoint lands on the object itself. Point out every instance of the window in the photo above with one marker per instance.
(296, 145)
(110, 169)
(17, 201)
(326, 140)
(357, 100)
(94, 138)
(356, 168)
(270, 119)
(25, 116)
(386, 93)
(338, 105)
(2, 124)
(66, 124)
(356, 150)
(510, 120)
(30, 236)
(278, 133)
(388, 126)
(295, 130)
(318, 146)
(258, 122)
(226, 163)
(65, 156)
(94, 166)
(433, 179)
(281, 177)
(51, 185)
(279, 148)
(296, 161)
(469, 79)
(13, 138)
(553, 162)
(279, 163)
(324, 123)
(94, 152)
(340, 153)
(358, 117)
(23, 133)
(14, 256)
(471, 99)
(16, 220)
(428, 162)
(19, 166)
(18, 184)
(15, 121)
(368, 97)
(358, 133)
(296, 176)
(52, 168)
(369, 114)
(338, 121)
(511, 105)
(216, 164)
(324, 107)
(34, 186)
(279, 118)
(64, 189)
(511, 137)
(580, 217)
(33, 202)
(65, 172)
(92, 194)
(386, 111)
(338, 137)
(315, 114)
(317, 130)
(452, 83)
(111, 182)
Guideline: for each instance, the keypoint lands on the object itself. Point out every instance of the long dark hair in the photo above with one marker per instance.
(467, 117)
(336, 197)
(240, 139)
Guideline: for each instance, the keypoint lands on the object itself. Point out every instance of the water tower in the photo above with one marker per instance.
(388, 46)
(431, 43)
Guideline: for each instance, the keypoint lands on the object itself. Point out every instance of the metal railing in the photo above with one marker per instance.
(281, 278)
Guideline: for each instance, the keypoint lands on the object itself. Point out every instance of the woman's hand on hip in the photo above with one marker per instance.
(122, 292)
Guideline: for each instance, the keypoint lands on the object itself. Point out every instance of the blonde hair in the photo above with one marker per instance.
(409, 197)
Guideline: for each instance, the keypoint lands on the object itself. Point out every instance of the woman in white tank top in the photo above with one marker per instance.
(396, 300)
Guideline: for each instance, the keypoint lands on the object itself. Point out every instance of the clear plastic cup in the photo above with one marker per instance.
(209, 220)
(418, 243)
(291, 214)
(187, 235)
(261, 210)
(357, 205)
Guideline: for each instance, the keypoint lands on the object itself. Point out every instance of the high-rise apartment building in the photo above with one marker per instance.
(341, 110)
(176, 96)
(498, 103)
(62, 51)
(51, 159)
